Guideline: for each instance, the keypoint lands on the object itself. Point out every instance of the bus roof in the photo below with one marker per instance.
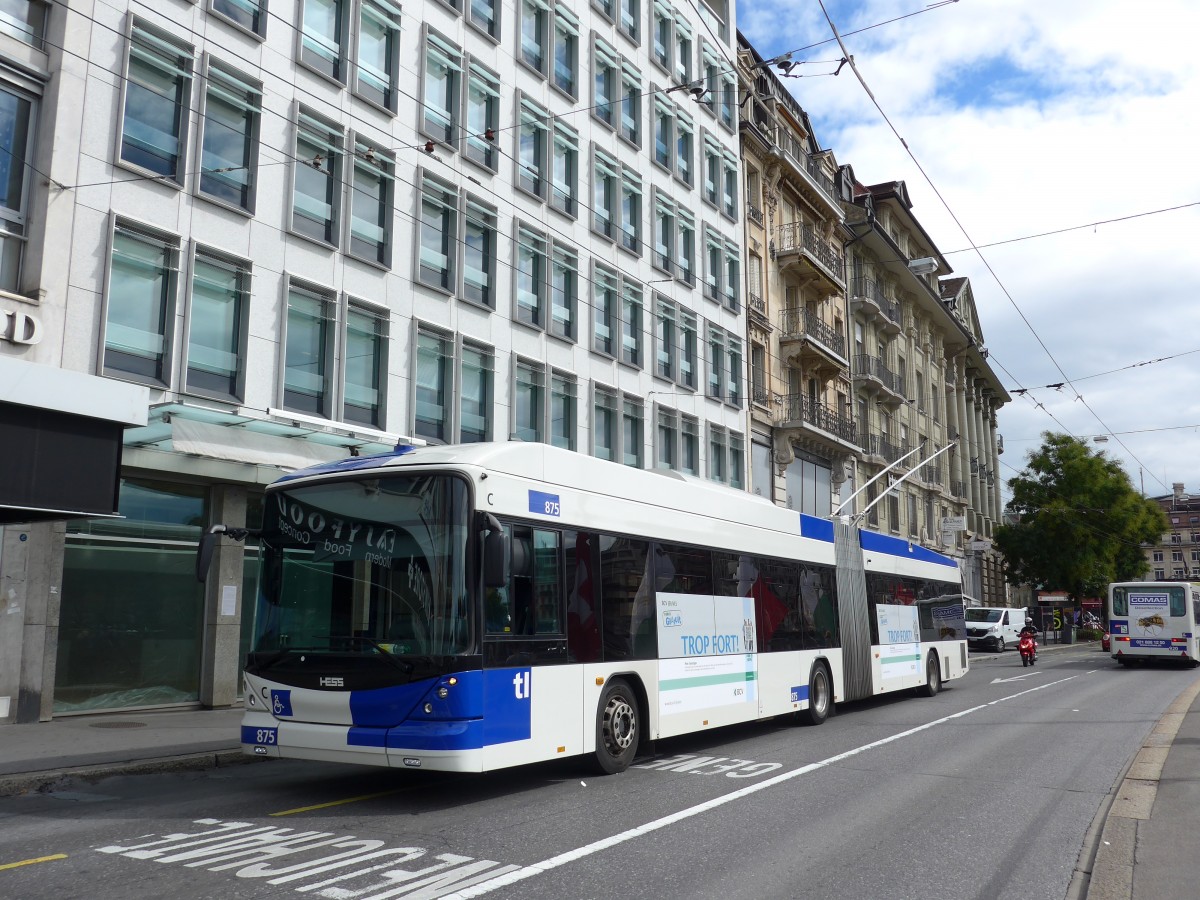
(577, 471)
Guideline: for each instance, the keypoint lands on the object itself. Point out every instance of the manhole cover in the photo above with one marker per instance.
(118, 724)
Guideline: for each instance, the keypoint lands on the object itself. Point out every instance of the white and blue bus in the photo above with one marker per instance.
(467, 608)
(1154, 620)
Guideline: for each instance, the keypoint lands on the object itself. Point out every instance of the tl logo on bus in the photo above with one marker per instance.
(521, 685)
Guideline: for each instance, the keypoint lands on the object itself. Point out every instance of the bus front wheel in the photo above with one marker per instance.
(617, 728)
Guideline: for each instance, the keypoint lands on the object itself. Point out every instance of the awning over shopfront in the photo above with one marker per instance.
(60, 441)
(271, 437)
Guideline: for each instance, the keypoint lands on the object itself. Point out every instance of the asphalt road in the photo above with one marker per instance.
(987, 790)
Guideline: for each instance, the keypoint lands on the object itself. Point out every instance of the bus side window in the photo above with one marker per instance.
(498, 601)
(1178, 601)
(547, 607)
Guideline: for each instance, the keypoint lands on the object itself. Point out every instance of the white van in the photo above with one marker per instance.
(994, 627)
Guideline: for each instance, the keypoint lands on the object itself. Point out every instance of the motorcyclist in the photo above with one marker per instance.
(1030, 628)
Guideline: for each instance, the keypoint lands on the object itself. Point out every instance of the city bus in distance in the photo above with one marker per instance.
(1154, 620)
(467, 608)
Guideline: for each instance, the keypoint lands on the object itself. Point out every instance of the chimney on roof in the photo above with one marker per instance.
(1177, 489)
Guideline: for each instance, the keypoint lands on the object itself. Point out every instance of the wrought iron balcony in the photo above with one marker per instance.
(880, 445)
(800, 408)
(800, 322)
(796, 237)
(761, 395)
(872, 367)
(757, 304)
(868, 292)
(958, 488)
(754, 214)
(931, 473)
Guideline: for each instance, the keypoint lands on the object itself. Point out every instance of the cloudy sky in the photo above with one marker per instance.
(1029, 117)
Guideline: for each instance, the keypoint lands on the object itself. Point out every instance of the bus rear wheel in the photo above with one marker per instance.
(933, 677)
(618, 728)
(820, 696)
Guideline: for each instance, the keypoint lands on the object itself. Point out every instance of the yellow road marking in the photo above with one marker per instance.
(301, 809)
(30, 862)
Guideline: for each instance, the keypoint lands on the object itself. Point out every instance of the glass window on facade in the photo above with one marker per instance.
(141, 295)
(433, 387)
(479, 255)
(229, 146)
(157, 94)
(562, 411)
(528, 407)
(530, 277)
(632, 424)
(604, 425)
(535, 18)
(23, 19)
(365, 365)
(689, 446)
(437, 234)
(318, 178)
(217, 324)
(475, 404)
(668, 438)
(323, 36)
(131, 619)
(443, 71)
(564, 293)
(378, 52)
(371, 205)
(564, 169)
(248, 14)
(483, 115)
(15, 136)
(604, 311)
(308, 355)
(566, 51)
(632, 332)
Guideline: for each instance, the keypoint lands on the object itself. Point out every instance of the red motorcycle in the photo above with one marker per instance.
(1027, 646)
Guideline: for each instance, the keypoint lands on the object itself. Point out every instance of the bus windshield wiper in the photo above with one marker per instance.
(402, 664)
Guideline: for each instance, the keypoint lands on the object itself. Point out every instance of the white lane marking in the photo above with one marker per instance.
(562, 859)
(1014, 678)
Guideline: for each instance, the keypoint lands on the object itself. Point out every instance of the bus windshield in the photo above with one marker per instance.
(374, 566)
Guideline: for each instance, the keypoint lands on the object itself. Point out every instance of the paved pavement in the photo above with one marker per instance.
(1142, 845)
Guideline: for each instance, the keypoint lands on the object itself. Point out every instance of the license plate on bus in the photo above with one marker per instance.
(266, 737)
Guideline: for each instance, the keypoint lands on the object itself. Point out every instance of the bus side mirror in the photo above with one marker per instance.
(208, 542)
(495, 554)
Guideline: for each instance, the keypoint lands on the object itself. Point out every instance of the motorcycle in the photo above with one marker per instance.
(1027, 647)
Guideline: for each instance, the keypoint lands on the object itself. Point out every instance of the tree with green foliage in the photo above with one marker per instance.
(1078, 523)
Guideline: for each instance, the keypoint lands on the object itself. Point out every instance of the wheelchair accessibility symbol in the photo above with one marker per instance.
(281, 703)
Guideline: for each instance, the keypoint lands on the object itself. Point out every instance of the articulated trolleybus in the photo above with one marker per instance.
(466, 608)
(1154, 620)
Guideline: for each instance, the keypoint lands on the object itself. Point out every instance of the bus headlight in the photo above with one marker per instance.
(428, 707)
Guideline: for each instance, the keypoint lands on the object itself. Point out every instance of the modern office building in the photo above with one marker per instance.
(249, 235)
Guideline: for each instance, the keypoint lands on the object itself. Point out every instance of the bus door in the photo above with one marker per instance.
(525, 621)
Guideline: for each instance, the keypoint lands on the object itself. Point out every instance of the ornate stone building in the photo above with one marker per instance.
(863, 351)
(802, 431)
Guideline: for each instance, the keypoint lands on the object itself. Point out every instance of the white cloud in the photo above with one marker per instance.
(1100, 120)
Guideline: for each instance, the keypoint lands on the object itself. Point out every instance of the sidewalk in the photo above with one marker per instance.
(37, 755)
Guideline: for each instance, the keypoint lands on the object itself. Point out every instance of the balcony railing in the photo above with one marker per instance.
(958, 488)
(800, 408)
(758, 304)
(881, 445)
(796, 236)
(761, 395)
(802, 322)
(869, 289)
(801, 160)
(754, 214)
(931, 473)
(865, 366)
